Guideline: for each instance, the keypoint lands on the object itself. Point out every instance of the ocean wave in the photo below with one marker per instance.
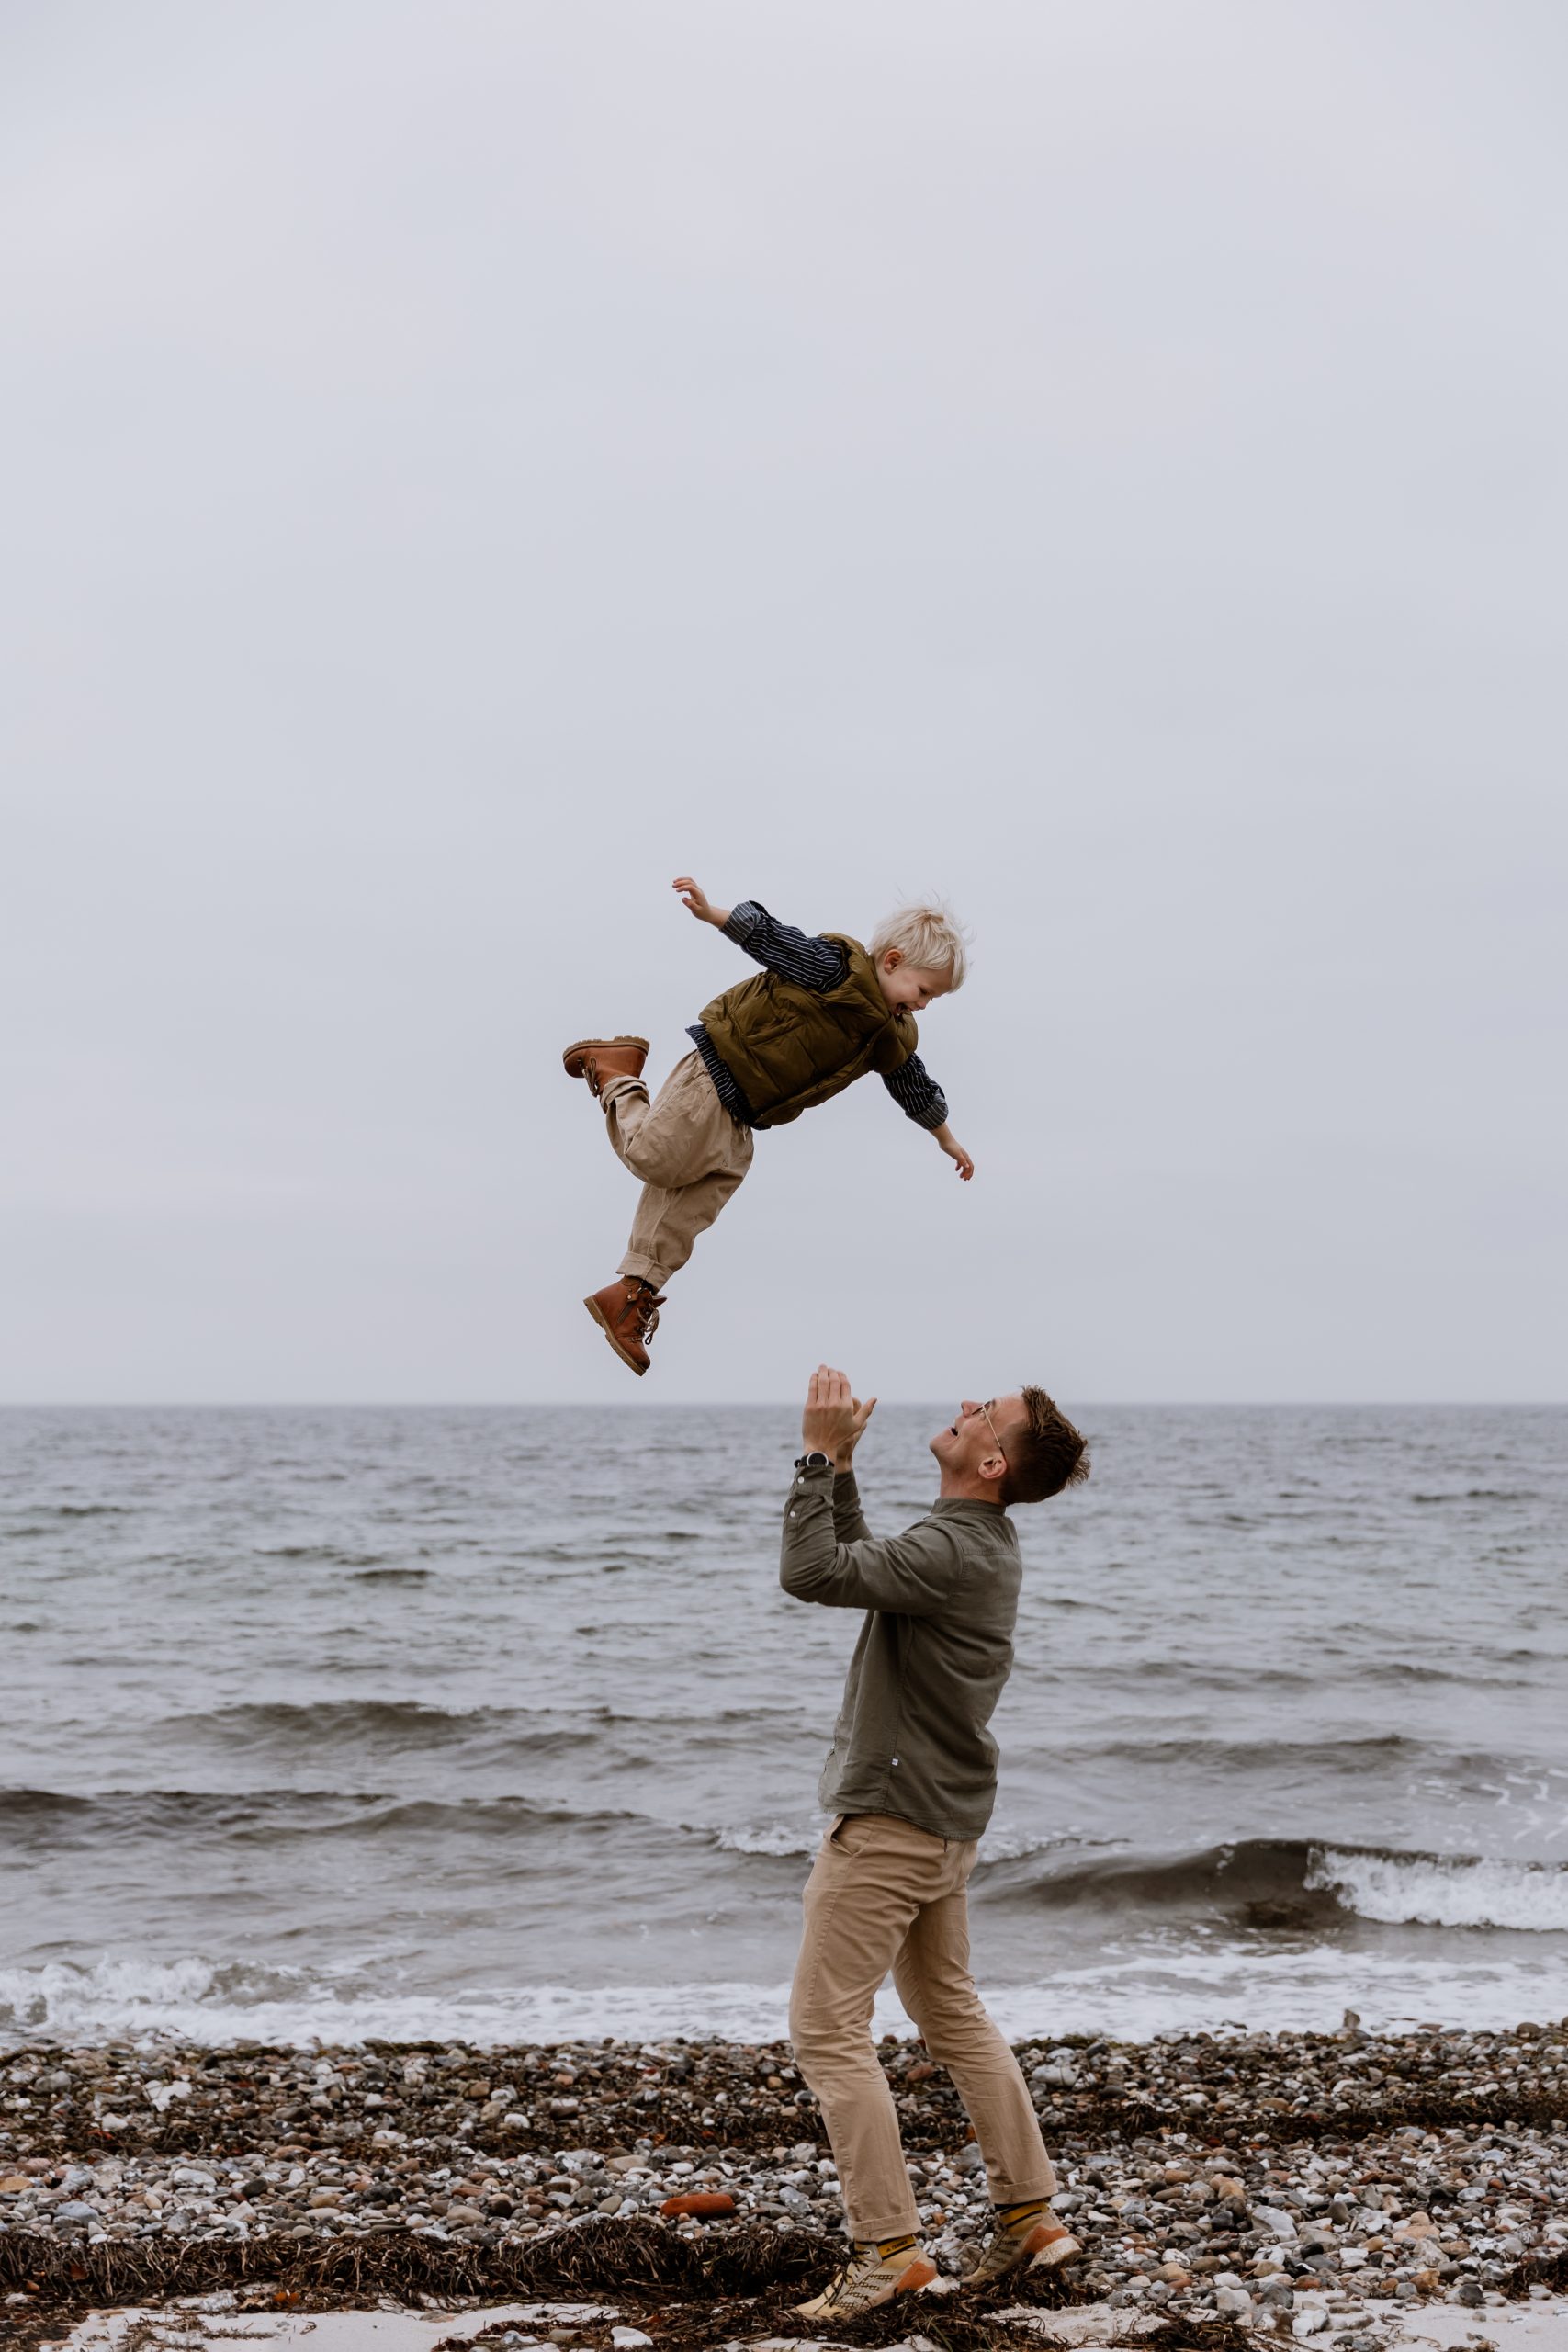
(331, 1555)
(1480, 1495)
(70, 1821)
(492, 1816)
(396, 1723)
(55, 1820)
(130, 1993)
(1349, 1755)
(1256, 1881)
(207, 2002)
(1293, 1883)
(770, 1838)
(1465, 1671)
(1000, 1844)
(1003, 1843)
(42, 1804)
(1439, 1891)
(1205, 1674)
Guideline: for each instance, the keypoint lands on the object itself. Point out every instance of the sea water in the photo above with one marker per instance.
(495, 1723)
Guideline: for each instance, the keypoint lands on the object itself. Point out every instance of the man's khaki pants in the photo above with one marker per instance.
(884, 1895)
(690, 1154)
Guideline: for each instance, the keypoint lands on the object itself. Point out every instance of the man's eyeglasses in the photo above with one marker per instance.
(992, 1426)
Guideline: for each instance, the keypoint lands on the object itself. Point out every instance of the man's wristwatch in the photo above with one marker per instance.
(814, 1461)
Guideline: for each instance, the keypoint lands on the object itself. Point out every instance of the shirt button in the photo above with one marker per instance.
(895, 1763)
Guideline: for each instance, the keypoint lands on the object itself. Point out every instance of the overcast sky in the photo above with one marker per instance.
(468, 463)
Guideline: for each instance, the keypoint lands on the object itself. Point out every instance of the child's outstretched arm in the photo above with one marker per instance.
(919, 1098)
(955, 1151)
(694, 898)
(811, 963)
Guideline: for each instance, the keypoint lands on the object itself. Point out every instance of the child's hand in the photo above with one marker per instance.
(954, 1151)
(694, 898)
(834, 1421)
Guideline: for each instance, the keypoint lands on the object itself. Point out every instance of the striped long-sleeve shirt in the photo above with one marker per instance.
(811, 963)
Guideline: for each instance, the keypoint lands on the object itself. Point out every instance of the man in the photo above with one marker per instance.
(910, 1780)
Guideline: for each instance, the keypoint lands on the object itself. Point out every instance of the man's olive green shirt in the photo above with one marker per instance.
(932, 1656)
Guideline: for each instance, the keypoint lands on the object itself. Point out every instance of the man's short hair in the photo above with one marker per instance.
(927, 936)
(1044, 1456)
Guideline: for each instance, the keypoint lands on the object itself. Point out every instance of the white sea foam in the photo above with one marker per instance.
(1000, 1844)
(1004, 1843)
(1427, 1890)
(770, 1838)
(1127, 1996)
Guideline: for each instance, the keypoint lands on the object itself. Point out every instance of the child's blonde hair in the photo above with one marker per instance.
(924, 935)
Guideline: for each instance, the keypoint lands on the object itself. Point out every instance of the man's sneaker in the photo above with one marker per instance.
(626, 1311)
(598, 1058)
(873, 2275)
(1026, 2237)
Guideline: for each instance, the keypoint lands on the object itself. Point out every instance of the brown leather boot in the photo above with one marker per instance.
(628, 1313)
(597, 1058)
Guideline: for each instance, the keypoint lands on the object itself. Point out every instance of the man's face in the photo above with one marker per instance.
(967, 1440)
(909, 987)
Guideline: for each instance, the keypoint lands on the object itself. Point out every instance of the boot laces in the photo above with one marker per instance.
(845, 2277)
(591, 1072)
(860, 2265)
(646, 1307)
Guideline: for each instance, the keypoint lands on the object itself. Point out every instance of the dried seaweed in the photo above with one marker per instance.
(1536, 2270)
(689, 2294)
(598, 2257)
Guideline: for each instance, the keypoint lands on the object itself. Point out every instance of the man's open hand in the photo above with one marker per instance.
(834, 1419)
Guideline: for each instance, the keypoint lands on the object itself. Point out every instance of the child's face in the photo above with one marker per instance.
(909, 988)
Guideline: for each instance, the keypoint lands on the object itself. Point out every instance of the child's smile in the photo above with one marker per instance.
(909, 987)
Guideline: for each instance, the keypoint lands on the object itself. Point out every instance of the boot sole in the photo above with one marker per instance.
(572, 1060)
(630, 1362)
(1055, 2252)
(913, 2281)
(1043, 2249)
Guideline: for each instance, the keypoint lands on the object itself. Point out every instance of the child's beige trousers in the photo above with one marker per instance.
(884, 1895)
(691, 1156)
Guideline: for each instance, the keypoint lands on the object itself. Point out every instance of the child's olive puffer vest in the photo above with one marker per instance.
(791, 1048)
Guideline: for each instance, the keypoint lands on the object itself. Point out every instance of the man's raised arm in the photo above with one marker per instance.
(829, 1553)
(849, 1519)
(914, 1575)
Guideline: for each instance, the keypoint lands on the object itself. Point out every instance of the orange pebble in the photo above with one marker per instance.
(701, 2202)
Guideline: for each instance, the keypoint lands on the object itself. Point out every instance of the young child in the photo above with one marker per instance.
(822, 1012)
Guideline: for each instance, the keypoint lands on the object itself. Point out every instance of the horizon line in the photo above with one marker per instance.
(731, 1405)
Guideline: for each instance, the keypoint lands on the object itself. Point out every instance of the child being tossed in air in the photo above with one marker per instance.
(822, 1012)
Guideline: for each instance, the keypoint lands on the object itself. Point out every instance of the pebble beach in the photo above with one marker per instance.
(1312, 2185)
